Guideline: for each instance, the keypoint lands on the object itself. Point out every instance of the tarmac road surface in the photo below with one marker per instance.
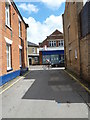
(45, 94)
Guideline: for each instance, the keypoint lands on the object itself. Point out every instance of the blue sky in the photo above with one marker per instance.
(43, 17)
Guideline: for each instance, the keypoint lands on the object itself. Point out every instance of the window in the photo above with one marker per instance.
(20, 57)
(36, 59)
(8, 56)
(33, 50)
(54, 59)
(45, 58)
(62, 57)
(70, 57)
(68, 33)
(7, 10)
(61, 43)
(20, 34)
(52, 43)
(75, 53)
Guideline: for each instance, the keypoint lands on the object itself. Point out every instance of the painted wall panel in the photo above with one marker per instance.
(7, 77)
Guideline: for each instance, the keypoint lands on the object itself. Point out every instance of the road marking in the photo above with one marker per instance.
(78, 81)
(3, 85)
(13, 83)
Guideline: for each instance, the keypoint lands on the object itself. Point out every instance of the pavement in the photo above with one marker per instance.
(45, 93)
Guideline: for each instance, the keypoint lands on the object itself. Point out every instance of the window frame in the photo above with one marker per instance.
(60, 43)
(7, 14)
(8, 51)
(33, 50)
(52, 43)
(20, 57)
(20, 35)
(76, 54)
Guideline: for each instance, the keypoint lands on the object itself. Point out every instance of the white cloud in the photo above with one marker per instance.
(28, 7)
(53, 4)
(38, 31)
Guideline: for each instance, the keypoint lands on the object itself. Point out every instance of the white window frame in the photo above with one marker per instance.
(7, 14)
(60, 43)
(75, 53)
(8, 51)
(20, 57)
(52, 43)
(33, 50)
(19, 26)
(8, 42)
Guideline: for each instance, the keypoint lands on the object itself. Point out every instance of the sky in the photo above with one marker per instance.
(42, 16)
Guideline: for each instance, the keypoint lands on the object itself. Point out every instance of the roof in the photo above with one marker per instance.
(32, 44)
(55, 35)
(56, 32)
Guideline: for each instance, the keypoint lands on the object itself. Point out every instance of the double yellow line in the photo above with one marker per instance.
(86, 88)
(13, 83)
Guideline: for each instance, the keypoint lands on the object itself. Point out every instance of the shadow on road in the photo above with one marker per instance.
(55, 85)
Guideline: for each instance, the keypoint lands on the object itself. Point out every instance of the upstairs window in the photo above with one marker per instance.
(68, 30)
(7, 14)
(20, 28)
(33, 50)
(61, 43)
(52, 43)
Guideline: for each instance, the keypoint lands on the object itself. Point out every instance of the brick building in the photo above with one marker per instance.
(52, 48)
(76, 25)
(33, 55)
(13, 41)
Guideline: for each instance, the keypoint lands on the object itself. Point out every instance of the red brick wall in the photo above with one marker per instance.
(40, 57)
(0, 39)
(56, 38)
(14, 36)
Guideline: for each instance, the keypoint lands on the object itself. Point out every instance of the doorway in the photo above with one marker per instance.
(30, 61)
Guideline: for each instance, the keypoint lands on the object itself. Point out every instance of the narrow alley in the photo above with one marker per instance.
(45, 94)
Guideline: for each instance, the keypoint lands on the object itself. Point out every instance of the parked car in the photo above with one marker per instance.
(58, 64)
